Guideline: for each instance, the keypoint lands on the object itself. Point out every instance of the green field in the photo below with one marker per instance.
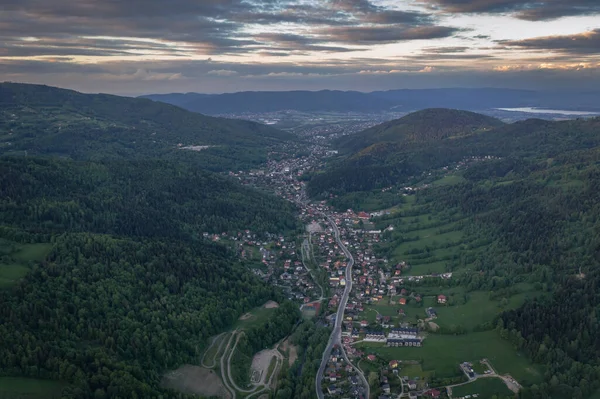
(255, 316)
(29, 388)
(486, 388)
(443, 353)
(16, 260)
(478, 309)
(414, 372)
(449, 180)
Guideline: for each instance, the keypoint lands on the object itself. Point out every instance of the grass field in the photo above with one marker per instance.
(213, 354)
(254, 317)
(29, 388)
(19, 255)
(443, 353)
(486, 388)
(414, 372)
(478, 309)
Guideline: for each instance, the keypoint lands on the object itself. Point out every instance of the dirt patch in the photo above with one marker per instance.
(245, 316)
(196, 380)
(314, 227)
(434, 327)
(260, 365)
(271, 305)
(291, 350)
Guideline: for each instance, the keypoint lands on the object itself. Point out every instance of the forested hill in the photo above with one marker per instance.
(45, 120)
(388, 163)
(132, 198)
(127, 288)
(422, 126)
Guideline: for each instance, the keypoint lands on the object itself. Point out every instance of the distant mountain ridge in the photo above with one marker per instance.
(474, 99)
(270, 101)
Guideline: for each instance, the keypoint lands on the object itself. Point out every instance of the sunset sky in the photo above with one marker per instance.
(155, 46)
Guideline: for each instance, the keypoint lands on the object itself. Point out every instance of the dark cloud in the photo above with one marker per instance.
(386, 34)
(581, 44)
(532, 10)
(444, 50)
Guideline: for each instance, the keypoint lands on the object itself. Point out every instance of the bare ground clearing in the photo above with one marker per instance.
(260, 365)
(292, 350)
(245, 316)
(271, 305)
(196, 380)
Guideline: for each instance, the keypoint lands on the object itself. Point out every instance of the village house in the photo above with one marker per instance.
(441, 298)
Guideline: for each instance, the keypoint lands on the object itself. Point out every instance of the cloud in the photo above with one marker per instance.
(386, 34)
(222, 72)
(580, 44)
(531, 10)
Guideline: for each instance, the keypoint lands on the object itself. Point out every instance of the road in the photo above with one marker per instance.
(223, 369)
(336, 334)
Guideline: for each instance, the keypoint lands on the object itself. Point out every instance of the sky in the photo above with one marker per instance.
(134, 47)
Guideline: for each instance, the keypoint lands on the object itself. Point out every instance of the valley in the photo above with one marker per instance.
(440, 255)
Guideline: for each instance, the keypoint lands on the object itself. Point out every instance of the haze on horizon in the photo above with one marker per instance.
(153, 46)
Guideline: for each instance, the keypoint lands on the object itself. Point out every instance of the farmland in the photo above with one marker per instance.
(443, 353)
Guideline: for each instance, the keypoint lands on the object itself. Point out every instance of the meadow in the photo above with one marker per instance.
(486, 388)
(29, 388)
(16, 259)
(443, 353)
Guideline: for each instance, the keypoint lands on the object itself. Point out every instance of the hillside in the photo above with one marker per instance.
(421, 126)
(389, 163)
(42, 120)
(105, 278)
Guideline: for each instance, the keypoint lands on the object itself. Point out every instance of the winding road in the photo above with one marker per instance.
(336, 334)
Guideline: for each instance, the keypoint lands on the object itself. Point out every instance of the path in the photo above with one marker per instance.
(303, 251)
(223, 376)
(212, 342)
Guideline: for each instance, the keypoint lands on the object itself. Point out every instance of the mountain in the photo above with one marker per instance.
(270, 101)
(366, 163)
(421, 126)
(43, 120)
(406, 100)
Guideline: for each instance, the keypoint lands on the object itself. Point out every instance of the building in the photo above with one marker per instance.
(393, 364)
(375, 336)
(441, 298)
(404, 342)
(432, 393)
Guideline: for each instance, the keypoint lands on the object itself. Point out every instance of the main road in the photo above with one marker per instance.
(336, 334)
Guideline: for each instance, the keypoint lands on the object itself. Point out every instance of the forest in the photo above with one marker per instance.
(129, 288)
(146, 198)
